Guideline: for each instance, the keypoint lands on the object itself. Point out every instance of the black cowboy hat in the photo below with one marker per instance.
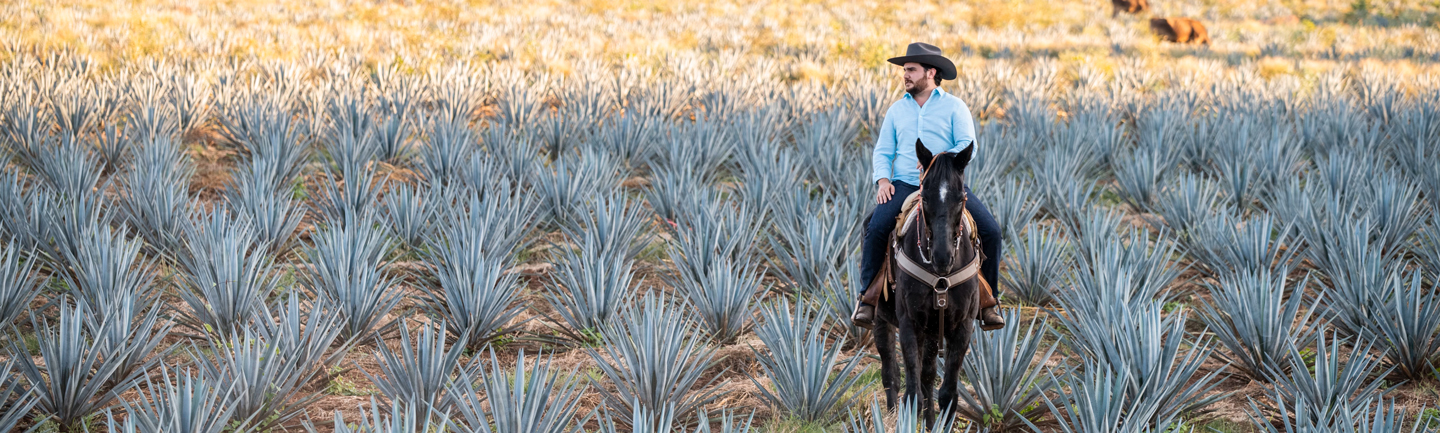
(926, 54)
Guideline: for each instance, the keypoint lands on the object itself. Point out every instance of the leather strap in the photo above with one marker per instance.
(909, 265)
(915, 270)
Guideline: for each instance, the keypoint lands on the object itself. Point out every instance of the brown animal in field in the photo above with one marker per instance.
(1180, 30)
(1129, 6)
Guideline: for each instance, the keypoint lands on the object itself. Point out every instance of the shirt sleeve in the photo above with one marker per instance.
(883, 158)
(962, 127)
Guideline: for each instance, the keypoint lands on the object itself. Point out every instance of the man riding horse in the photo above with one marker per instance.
(942, 122)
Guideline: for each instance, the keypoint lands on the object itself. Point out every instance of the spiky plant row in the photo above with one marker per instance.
(1247, 184)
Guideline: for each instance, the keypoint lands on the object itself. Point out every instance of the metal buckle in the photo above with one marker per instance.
(942, 297)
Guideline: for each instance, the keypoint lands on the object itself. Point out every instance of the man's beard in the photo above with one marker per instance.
(914, 89)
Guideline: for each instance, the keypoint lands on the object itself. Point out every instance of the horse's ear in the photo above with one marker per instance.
(963, 158)
(923, 154)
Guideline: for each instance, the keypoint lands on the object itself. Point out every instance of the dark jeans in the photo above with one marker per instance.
(882, 222)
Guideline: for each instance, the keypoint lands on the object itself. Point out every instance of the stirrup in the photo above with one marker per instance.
(991, 326)
(855, 318)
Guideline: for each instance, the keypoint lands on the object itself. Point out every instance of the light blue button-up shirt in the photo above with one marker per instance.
(943, 124)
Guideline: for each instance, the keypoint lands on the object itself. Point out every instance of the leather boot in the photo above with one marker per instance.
(864, 315)
(990, 319)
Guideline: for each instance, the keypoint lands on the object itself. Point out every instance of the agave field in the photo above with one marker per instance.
(666, 238)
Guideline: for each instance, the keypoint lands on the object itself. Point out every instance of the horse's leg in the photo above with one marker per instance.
(927, 376)
(910, 350)
(885, 349)
(958, 343)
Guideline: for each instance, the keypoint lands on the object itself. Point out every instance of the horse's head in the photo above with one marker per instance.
(942, 192)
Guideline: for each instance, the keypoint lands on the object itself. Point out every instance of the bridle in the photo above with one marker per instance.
(922, 242)
(941, 284)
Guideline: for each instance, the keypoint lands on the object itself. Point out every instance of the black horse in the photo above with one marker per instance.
(927, 314)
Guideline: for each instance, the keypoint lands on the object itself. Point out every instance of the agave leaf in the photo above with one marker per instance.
(589, 287)
(1226, 245)
(1360, 274)
(1303, 417)
(106, 267)
(349, 268)
(907, 418)
(418, 374)
(410, 213)
(655, 359)
(573, 180)
(1067, 195)
(474, 294)
(826, 139)
(810, 247)
(644, 420)
(403, 418)
(349, 138)
(1000, 373)
(837, 298)
(723, 296)
(1011, 204)
(226, 273)
(352, 198)
(1334, 387)
(269, 206)
(156, 198)
(1251, 158)
(1036, 266)
(67, 166)
(449, 146)
(19, 282)
(765, 166)
(677, 194)
(613, 223)
(268, 365)
(800, 362)
(532, 398)
(713, 231)
(1141, 349)
(188, 404)
(1410, 323)
(1140, 173)
(1256, 315)
(1099, 399)
(1186, 202)
(1429, 250)
(631, 137)
(79, 377)
(15, 405)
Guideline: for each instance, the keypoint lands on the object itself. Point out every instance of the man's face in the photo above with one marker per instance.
(917, 79)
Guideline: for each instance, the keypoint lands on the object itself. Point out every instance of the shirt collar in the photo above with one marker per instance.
(933, 93)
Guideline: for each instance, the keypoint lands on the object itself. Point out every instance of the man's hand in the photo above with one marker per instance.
(884, 191)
